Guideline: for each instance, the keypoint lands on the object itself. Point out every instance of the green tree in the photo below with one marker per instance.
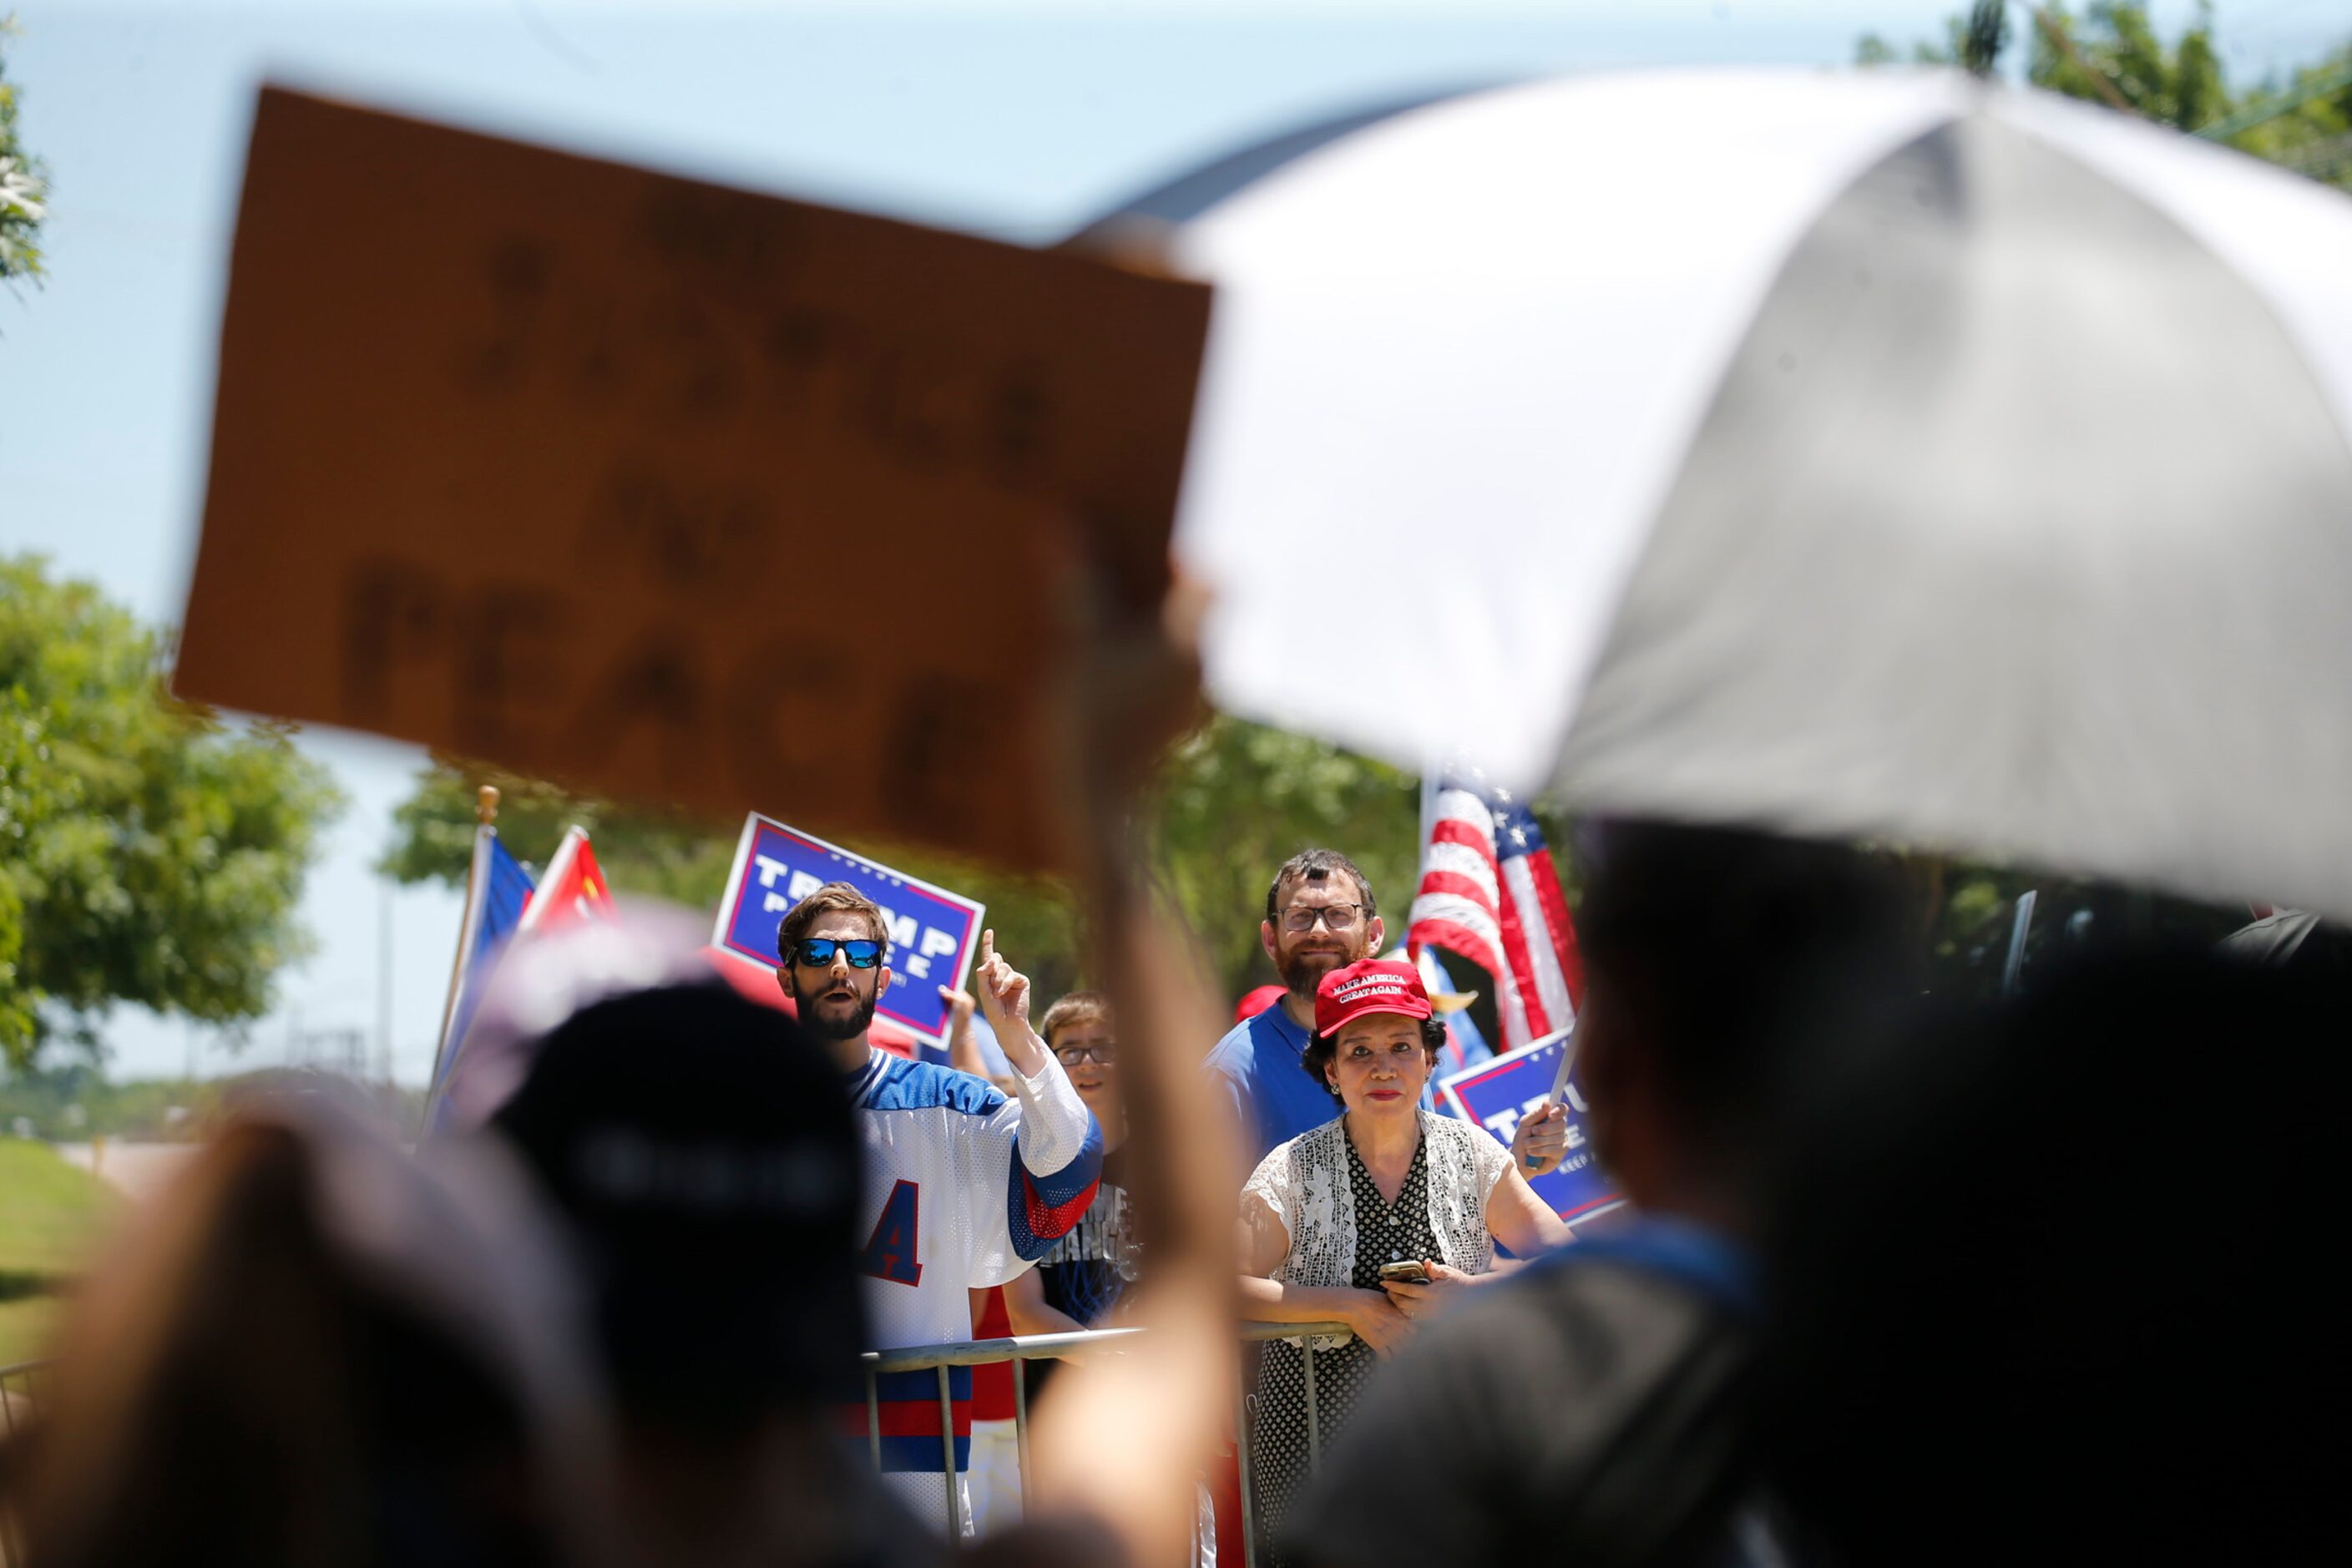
(1236, 799)
(1233, 801)
(24, 189)
(2113, 56)
(1973, 39)
(148, 853)
(2179, 84)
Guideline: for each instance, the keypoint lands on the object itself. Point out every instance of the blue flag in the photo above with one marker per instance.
(495, 892)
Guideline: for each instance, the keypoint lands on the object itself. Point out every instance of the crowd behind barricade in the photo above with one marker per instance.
(1900, 1281)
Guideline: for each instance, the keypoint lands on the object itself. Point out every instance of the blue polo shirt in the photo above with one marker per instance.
(1257, 1070)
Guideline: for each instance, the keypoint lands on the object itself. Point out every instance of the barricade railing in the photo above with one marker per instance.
(1043, 1347)
(19, 1398)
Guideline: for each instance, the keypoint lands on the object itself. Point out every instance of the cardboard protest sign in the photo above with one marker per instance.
(1495, 1094)
(670, 491)
(932, 931)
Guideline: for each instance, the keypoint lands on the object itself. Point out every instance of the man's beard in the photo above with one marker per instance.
(816, 1022)
(1301, 973)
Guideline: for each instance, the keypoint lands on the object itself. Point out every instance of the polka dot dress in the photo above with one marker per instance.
(1385, 1233)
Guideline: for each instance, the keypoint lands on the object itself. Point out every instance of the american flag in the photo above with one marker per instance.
(1490, 893)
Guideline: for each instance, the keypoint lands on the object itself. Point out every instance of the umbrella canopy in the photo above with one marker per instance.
(1879, 453)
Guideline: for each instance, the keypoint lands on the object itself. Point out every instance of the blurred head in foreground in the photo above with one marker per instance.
(316, 1351)
(1720, 964)
(2056, 1284)
(702, 1147)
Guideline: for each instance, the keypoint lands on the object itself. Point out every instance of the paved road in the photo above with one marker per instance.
(138, 1170)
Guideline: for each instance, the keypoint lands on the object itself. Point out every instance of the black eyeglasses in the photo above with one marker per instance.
(1105, 1053)
(1299, 919)
(818, 951)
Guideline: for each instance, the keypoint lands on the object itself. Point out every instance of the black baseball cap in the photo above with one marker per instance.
(703, 1148)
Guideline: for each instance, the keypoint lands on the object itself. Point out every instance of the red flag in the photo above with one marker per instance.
(571, 890)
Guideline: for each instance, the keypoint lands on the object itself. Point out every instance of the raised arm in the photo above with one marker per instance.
(1058, 1157)
(1136, 1479)
(1004, 999)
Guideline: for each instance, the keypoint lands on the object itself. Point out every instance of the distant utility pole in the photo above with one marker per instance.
(383, 981)
(2064, 41)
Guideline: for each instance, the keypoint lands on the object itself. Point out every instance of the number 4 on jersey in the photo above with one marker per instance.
(890, 1251)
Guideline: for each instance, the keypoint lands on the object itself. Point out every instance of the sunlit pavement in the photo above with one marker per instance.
(138, 1171)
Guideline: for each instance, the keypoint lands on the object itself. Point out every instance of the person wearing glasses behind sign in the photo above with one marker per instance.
(1376, 1219)
(1077, 1284)
(965, 1185)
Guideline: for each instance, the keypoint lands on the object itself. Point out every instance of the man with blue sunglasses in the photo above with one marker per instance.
(966, 1186)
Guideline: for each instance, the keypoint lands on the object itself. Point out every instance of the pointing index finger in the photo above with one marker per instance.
(987, 948)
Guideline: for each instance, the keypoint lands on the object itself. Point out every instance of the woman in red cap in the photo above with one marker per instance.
(1384, 1184)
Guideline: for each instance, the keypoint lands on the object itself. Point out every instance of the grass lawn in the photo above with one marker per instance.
(25, 1326)
(50, 1216)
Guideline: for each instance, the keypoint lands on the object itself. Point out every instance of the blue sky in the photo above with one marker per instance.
(1018, 121)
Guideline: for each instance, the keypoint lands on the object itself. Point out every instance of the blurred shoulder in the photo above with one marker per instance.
(1523, 1400)
(1582, 1324)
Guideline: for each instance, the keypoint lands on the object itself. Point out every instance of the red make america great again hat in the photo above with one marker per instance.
(1373, 985)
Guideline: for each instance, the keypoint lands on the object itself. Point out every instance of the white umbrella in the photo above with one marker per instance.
(1855, 453)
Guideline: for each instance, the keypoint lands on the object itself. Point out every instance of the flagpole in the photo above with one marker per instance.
(1428, 782)
(486, 817)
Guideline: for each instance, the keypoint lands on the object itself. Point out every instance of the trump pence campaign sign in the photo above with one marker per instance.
(932, 930)
(1497, 1093)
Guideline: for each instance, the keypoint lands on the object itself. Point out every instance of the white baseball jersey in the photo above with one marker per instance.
(967, 1188)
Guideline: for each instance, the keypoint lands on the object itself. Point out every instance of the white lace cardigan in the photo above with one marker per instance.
(1304, 1184)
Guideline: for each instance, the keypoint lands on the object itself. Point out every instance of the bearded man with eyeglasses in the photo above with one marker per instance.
(966, 1186)
(1320, 915)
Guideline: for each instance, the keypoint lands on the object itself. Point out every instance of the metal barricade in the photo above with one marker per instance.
(1038, 1347)
(19, 1403)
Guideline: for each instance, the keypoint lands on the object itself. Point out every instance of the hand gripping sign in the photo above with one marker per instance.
(1497, 1093)
(932, 930)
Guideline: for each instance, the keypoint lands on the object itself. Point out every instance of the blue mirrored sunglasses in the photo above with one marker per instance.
(818, 951)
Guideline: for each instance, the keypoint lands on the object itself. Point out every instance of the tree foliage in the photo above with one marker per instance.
(24, 188)
(2115, 49)
(1236, 800)
(148, 853)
